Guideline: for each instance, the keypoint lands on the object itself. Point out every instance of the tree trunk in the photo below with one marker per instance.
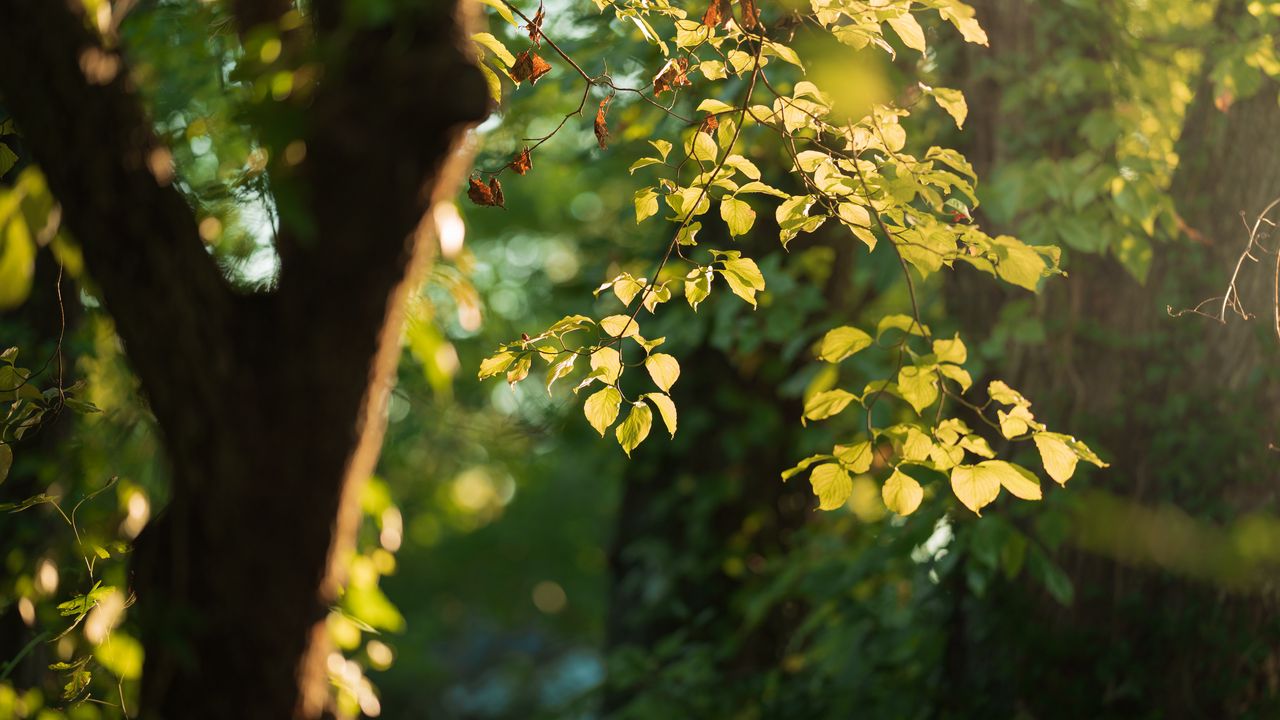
(270, 405)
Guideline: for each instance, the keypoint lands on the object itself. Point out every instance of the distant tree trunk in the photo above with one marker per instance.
(271, 405)
(1183, 408)
(699, 518)
(704, 520)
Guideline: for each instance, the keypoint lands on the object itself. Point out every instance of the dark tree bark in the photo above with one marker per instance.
(270, 405)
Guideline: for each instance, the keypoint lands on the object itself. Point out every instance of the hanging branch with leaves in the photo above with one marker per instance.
(855, 172)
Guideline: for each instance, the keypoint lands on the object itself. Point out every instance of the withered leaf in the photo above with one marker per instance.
(523, 162)
(718, 11)
(529, 67)
(673, 75)
(602, 127)
(485, 195)
(480, 193)
(750, 15)
(495, 190)
(709, 124)
(535, 26)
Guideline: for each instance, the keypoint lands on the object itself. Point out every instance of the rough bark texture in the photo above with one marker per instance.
(1184, 409)
(271, 405)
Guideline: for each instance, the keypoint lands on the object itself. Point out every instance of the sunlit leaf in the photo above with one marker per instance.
(901, 493)
(832, 485)
(635, 428)
(601, 408)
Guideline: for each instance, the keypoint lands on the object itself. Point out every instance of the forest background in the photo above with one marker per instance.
(511, 564)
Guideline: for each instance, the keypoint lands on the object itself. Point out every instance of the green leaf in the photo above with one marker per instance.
(1057, 456)
(832, 485)
(666, 409)
(825, 404)
(635, 428)
(901, 493)
(842, 342)
(601, 409)
(6, 461)
(737, 215)
(663, 369)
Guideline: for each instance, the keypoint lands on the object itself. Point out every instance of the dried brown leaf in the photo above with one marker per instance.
(523, 162)
(480, 193)
(495, 190)
(602, 127)
(535, 26)
(529, 67)
(719, 11)
(673, 75)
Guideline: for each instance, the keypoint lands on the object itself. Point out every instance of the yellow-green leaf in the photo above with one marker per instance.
(954, 103)
(666, 409)
(610, 361)
(901, 493)
(950, 351)
(744, 278)
(737, 215)
(825, 404)
(1057, 456)
(520, 370)
(493, 365)
(908, 28)
(1017, 480)
(697, 286)
(663, 369)
(802, 466)
(918, 386)
(856, 457)
(646, 200)
(601, 408)
(559, 370)
(635, 428)
(832, 485)
(974, 487)
(620, 326)
(842, 342)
